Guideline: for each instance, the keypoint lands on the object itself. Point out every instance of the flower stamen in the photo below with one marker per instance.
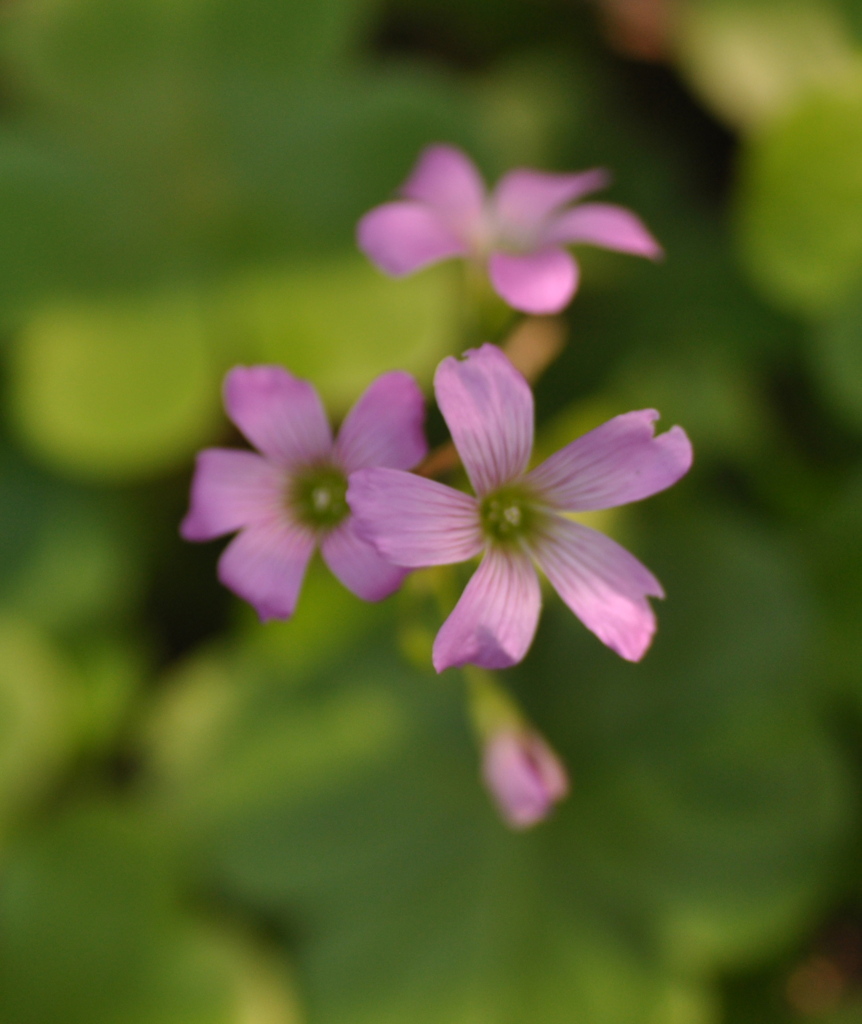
(318, 497)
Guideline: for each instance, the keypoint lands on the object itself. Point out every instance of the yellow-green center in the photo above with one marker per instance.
(318, 497)
(507, 515)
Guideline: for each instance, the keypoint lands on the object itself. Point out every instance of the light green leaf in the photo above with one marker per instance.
(116, 390)
(751, 59)
(800, 202)
(339, 322)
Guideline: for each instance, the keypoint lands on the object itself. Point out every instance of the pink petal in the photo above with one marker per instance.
(524, 199)
(405, 236)
(358, 566)
(447, 180)
(602, 583)
(386, 426)
(524, 776)
(494, 622)
(606, 225)
(280, 414)
(265, 565)
(618, 462)
(231, 489)
(412, 521)
(488, 407)
(539, 282)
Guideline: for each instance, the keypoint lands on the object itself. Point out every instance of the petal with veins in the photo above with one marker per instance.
(231, 489)
(488, 407)
(618, 462)
(265, 565)
(280, 414)
(494, 622)
(356, 564)
(412, 521)
(386, 426)
(604, 585)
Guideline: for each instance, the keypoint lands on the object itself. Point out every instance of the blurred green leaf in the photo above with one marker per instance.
(36, 694)
(706, 788)
(751, 59)
(116, 390)
(351, 801)
(837, 360)
(339, 322)
(93, 932)
(707, 804)
(800, 201)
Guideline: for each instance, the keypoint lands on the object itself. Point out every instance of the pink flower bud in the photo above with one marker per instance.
(524, 776)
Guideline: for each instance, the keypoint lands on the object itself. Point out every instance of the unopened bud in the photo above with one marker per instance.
(523, 774)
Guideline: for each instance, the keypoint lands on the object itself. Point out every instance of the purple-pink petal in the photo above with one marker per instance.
(524, 199)
(618, 462)
(494, 622)
(265, 565)
(524, 776)
(605, 225)
(402, 237)
(356, 564)
(540, 282)
(281, 415)
(231, 489)
(488, 407)
(412, 521)
(604, 585)
(385, 427)
(446, 179)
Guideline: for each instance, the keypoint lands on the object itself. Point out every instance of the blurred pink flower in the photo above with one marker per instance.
(516, 520)
(519, 230)
(290, 499)
(524, 776)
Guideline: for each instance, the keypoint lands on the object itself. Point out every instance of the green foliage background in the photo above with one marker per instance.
(206, 821)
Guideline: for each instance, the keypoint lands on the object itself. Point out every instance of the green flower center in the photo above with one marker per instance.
(318, 497)
(508, 515)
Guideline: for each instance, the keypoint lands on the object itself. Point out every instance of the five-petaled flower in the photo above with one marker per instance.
(516, 518)
(520, 230)
(290, 498)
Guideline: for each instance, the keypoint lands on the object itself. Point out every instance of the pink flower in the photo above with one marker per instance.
(519, 231)
(524, 776)
(291, 498)
(515, 520)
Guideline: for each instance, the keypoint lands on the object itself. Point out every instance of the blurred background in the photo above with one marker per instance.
(206, 821)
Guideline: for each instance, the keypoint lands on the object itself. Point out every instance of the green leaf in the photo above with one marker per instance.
(36, 693)
(751, 59)
(339, 322)
(93, 933)
(837, 360)
(117, 389)
(800, 202)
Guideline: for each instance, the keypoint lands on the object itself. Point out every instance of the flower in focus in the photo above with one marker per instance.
(290, 498)
(524, 776)
(516, 518)
(520, 230)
